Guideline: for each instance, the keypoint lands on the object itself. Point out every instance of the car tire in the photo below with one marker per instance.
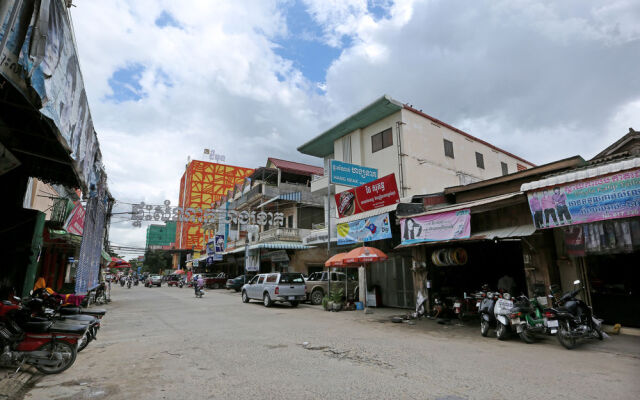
(316, 297)
(266, 300)
(245, 297)
(294, 303)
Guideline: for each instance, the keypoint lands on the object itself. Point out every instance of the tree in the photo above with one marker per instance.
(156, 261)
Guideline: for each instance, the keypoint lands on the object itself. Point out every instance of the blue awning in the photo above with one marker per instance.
(295, 196)
(281, 245)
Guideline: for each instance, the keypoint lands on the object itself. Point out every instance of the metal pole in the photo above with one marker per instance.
(329, 222)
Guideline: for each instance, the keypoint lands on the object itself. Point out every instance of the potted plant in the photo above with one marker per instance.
(325, 302)
(336, 299)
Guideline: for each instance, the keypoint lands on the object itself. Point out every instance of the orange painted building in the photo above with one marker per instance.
(204, 183)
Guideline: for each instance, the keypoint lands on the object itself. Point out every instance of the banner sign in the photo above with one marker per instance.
(278, 256)
(609, 197)
(75, 222)
(365, 230)
(351, 174)
(215, 245)
(436, 227)
(375, 194)
(252, 262)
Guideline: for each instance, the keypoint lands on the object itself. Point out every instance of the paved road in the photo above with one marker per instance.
(162, 343)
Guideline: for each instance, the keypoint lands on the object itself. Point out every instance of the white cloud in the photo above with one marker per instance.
(543, 79)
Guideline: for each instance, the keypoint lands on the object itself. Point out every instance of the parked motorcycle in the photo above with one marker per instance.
(575, 318)
(528, 319)
(502, 312)
(486, 307)
(50, 348)
(467, 306)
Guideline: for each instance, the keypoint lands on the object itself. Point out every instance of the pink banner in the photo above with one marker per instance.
(436, 227)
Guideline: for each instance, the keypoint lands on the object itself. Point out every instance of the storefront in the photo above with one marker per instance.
(594, 213)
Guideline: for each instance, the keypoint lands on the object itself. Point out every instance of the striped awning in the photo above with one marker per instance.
(295, 196)
(280, 246)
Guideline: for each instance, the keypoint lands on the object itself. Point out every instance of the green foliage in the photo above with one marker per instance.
(156, 261)
(336, 295)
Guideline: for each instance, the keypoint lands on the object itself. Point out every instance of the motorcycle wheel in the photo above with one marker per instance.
(565, 340)
(526, 336)
(502, 333)
(484, 328)
(68, 352)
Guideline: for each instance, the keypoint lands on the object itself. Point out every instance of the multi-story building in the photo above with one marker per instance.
(426, 156)
(202, 184)
(279, 187)
(161, 236)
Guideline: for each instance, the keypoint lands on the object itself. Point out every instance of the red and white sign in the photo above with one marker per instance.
(375, 194)
(75, 221)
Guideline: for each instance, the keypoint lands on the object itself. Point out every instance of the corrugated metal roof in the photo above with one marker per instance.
(281, 245)
(583, 173)
(367, 214)
(468, 204)
(296, 167)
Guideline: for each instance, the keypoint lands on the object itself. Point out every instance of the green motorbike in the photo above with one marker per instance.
(527, 318)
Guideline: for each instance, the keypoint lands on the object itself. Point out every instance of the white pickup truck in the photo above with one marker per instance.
(268, 288)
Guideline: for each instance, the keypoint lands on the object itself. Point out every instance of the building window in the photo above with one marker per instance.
(448, 148)
(479, 160)
(346, 149)
(381, 140)
(505, 168)
(290, 221)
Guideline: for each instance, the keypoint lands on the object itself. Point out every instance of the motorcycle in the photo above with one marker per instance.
(486, 307)
(181, 284)
(467, 306)
(135, 282)
(199, 292)
(122, 282)
(49, 347)
(528, 319)
(575, 318)
(128, 283)
(502, 312)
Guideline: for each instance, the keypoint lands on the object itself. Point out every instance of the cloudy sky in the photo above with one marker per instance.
(257, 78)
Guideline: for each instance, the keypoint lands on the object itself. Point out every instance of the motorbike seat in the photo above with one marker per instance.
(97, 312)
(68, 328)
(69, 310)
(36, 326)
(79, 317)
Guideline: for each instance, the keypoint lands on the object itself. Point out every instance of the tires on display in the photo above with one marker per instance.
(316, 297)
(267, 300)
(67, 354)
(502, 332)
(484, 328)
(245, 297)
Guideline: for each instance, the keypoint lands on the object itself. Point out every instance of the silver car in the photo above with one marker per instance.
(276, 286)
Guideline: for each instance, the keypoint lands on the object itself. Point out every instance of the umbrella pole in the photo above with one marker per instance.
(364, 272)
(346, 286)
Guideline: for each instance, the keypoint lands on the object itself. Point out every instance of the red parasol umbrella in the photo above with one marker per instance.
(178, 272)
(336, 260)
(363, 255)
(118, 263)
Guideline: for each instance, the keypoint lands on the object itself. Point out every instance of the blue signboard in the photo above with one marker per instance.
(351, 174)
(365, 230)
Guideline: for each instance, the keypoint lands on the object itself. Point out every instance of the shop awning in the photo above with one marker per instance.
(280, 246)
(106, 256)
(582, 173)
(511, 232)
(468, 204)
(287, 196)
(368, 214)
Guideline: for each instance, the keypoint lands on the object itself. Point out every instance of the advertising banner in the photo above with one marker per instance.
(375, 194)
(365, 230)
(610, 197)
(436, 227)
(75, 221)
(351, 174)
(252, 262)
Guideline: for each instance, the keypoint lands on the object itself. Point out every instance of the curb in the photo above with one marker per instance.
(10, 385)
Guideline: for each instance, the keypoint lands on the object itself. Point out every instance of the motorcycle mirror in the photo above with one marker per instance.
(16, 298)
(576, 282)
(30, 292)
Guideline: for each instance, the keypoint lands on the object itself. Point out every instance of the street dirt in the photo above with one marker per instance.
(163, 343)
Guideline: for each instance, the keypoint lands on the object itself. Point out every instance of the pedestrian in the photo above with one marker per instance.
(560, 201)
(536, 208)
(549, 209)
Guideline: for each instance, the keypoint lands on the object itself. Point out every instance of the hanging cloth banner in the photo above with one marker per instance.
(436, 227)
(609, 197)
(365, 230)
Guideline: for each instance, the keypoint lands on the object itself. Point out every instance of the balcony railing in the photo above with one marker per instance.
(286, 234)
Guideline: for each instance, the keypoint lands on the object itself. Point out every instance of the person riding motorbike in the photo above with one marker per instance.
(198, 283)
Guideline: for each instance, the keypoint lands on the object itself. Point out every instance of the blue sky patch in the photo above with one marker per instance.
(166, 19)
(379, 8)
(304, 45)
(125, 83)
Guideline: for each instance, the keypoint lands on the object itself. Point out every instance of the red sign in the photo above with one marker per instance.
(75, 221)
(375, 194)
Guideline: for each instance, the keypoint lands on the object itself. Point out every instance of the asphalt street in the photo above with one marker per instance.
(163, 343)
